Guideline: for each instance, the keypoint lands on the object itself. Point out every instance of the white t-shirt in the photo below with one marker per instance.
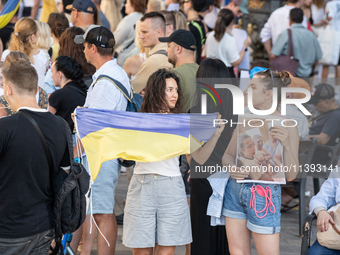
(240, 36)
(225, 50)
(277, 22)
(169, 167)
(41, 64)
(317, 14)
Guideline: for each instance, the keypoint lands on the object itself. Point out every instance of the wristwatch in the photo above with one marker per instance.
(244, 48)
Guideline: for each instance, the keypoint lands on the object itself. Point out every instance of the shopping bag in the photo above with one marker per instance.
(329, 40)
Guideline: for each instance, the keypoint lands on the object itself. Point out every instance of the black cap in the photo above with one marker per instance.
(97, 35)
(182, 37)
(321, 91)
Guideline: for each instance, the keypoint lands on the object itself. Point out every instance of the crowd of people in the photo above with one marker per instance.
(79, 53)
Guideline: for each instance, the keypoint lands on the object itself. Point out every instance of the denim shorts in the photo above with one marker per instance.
(237, 205)
(156, 211)
(104, 187)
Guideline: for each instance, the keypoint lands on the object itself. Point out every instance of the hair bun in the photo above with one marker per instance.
(285, 78)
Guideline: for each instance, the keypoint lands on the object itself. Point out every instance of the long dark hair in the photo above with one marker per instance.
(214, 71)
(69, 48)
(154, 97)
(58, 23)
(224, 18)
(71, 69)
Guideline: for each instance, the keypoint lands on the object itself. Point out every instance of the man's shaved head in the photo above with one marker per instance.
(158, 20)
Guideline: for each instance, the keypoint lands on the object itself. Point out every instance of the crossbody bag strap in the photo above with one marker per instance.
(42, 138)
(118, 85)
(290, 44)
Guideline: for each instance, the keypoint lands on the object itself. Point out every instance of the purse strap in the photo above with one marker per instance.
(334, 227)
(290, 44)
(42, 138)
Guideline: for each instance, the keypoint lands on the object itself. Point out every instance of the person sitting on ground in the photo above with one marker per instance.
(325, 126)
(329, 195)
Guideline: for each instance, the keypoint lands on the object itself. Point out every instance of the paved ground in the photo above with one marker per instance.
(290, 241)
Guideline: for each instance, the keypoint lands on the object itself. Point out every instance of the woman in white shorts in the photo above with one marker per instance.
(156, 215)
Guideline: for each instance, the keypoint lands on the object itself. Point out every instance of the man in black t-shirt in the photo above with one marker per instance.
(26, 208)
(325, 126)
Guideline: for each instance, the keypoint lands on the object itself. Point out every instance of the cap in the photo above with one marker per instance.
(237, 2)
(321, 91)
(207, 4)
(244, 6)
(256, 70)
(298, 83)
(97, 35)
(182, 37)
(83, 6)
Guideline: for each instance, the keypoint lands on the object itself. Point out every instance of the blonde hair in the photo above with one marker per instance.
(319, 3)
(138, 41)
(154, 5)
(111, 9)
(14, 56)
(20, 38)
(45, 40)
(181, 21)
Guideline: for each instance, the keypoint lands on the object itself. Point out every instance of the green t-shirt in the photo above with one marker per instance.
(186, 74)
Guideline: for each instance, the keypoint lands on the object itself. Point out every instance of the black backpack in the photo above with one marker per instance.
(69, 210)
(134, 99)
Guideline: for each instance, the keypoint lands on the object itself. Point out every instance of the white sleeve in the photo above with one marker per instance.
(266, 32)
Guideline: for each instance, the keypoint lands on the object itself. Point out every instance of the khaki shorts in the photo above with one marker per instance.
(156, 211)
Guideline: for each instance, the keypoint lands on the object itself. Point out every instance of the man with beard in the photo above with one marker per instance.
(181, 53)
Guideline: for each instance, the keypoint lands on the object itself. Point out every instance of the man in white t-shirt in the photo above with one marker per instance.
(103, 94)
(277, 22)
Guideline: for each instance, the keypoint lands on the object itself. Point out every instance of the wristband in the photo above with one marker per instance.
(245, 49)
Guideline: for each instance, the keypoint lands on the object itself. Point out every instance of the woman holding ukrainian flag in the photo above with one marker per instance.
(156, 215)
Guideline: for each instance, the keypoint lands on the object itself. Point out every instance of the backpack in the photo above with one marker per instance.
(134, 104)
(69, 210)
(134, 99)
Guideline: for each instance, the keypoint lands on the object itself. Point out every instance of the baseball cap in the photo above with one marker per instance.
(97, 35)
(207, 4)
(83, 6)
(244, 6)
(321, 91)
(182, 37)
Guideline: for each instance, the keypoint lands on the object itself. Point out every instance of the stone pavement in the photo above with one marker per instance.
(290, 242)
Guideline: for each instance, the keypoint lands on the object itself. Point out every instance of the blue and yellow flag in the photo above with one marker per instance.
(143, 137)
(8, 12)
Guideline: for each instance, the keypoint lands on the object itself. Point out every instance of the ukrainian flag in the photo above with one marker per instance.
(143, 137)
(8, 12)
